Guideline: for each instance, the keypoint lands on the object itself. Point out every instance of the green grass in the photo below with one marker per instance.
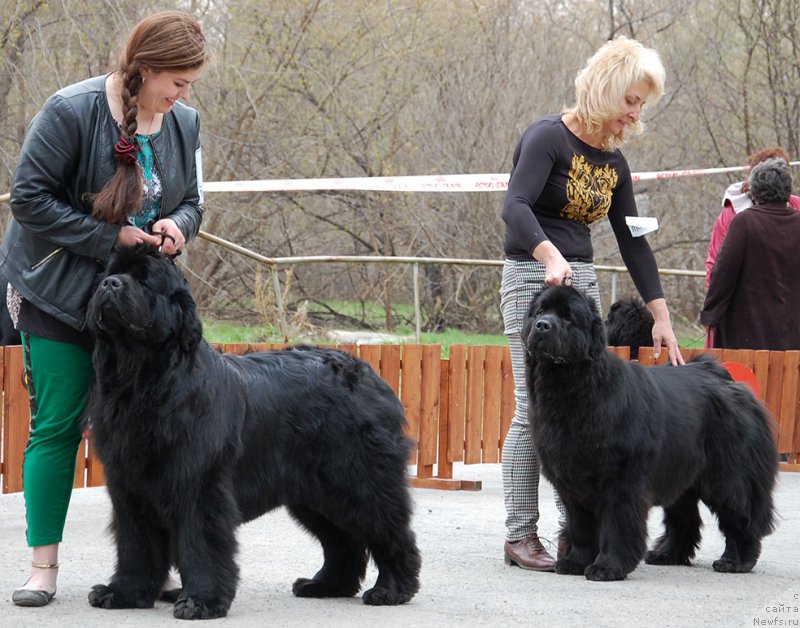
(237, 334)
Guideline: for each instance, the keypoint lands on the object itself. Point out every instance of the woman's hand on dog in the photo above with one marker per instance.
(166, 236)
(171, 239)
(131, 236)
(662, 332)
(557, 269)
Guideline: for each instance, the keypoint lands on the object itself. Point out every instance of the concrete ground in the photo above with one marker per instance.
(464, 579)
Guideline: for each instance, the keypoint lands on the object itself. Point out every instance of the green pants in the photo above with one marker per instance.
(58, 375)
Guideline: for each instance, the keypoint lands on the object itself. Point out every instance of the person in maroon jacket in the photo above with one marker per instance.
(736, 199)
(568, 173)
(754, 294)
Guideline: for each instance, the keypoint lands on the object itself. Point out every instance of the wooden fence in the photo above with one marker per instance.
(458, 408)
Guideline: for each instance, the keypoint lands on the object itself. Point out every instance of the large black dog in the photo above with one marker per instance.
(616, 438)
(194, 443)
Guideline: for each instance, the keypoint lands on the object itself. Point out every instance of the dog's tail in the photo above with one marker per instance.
(749, 446)
(761, 456)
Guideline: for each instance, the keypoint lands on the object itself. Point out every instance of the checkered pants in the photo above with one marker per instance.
(521, 283)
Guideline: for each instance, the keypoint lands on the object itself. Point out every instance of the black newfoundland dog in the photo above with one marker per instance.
(629, 324)
(616, 438)
(194, 443)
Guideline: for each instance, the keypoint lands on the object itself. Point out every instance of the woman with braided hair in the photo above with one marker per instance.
(114, 159)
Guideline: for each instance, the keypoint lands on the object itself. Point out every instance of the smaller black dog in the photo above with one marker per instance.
(629, 324)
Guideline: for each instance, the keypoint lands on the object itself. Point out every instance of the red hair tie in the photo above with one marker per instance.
(126, 151)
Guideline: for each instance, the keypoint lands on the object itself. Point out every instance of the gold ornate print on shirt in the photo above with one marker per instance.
(589, 191)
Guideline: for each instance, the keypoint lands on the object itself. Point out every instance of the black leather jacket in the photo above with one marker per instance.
(54, 251)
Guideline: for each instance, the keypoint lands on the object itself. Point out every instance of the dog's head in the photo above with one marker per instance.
(144, 299)
(629, 324)
(563, 327)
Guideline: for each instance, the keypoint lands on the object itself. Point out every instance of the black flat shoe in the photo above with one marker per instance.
(29, 597)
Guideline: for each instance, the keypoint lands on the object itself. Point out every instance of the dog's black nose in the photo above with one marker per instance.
(543, 325)
(111, 283)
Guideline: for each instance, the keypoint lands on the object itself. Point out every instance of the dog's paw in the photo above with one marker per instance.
(663, 558)
(170, 595)
(603, 573)
(192, 608)
(307, 587)
(567, 567)
(726, 565)
(101, 597)
(379, 596)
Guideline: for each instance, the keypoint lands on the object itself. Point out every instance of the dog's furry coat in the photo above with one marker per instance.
(194, 442)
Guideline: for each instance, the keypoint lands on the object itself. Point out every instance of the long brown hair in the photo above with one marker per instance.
(165, 41)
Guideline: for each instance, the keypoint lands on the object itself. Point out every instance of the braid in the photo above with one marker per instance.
(131, 83)
(122, 195)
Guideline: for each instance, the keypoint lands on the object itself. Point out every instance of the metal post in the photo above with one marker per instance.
(417, 314)
(276, 287)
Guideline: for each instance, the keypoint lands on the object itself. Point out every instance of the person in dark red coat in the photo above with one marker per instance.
(753, 298)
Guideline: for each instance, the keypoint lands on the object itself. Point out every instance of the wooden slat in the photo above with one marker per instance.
(761, 370)
(429, 410)
(794, 454)
(16, 412)
(372, 355)
(772, 394)
(646, 356)
(457, 402)
(79, 481)
(622, 352)
(742, 356)
(444, 468)
(94, 468)
(492, 383)
(476, 356)
(788, 404)
(390, 366)
(352, 349)
(410, 385)
(255, 347)
(507, 403)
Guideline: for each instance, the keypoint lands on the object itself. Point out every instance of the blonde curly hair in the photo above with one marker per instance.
(601, 85)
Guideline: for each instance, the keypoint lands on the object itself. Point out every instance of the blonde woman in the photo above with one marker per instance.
(568, 173)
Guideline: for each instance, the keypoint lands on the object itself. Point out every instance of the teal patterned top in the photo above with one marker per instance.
(151, 201)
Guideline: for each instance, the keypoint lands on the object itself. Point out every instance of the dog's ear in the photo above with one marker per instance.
(191, 331)
(599, 342)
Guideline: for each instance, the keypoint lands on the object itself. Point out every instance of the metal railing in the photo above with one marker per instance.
(276, 262)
